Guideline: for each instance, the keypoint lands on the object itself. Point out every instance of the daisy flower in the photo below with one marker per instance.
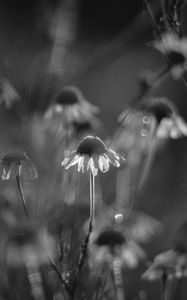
(11, 162)
(160, 115)
(112, 248)
(31, 248)
(69, 110)
(92, 155)
(111, 243)
(27, 244)
(14, 164)
(175, 50)
(164, 263)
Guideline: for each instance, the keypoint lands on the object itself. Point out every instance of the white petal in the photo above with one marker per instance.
(182, 126)
(81, 164)
(103, 164)
(91, 166)
(65, 161)
(164, 128)
(175, 132)
(74, 161)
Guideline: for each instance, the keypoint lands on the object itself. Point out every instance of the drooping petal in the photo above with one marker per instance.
(6, 172)
(163, 129)
(113, 159)
(65, 161)
(81, 164)
(182, 126)
(91, 166)
(73, 161)
(103, 164)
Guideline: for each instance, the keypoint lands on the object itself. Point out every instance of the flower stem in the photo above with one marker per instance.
(118, 282)
(148, 7)
(92, 199)
(165, 287)
(20, 188)
(84, 246)
(63, 282)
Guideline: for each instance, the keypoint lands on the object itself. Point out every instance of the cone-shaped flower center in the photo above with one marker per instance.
(14, 157)
(160, 109)
(176, 57)
(90, 146)
(110, 238)
(67, 97)
(24, 237)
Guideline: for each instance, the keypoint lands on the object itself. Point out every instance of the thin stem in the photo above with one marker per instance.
(20, 188)
(84, 246)
(63, 282)
(147, 5)
(118, 281)
(92, 198)
(166, 288)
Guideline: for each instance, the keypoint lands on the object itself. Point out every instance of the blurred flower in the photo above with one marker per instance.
(28, 245)
(91, 155)
(132, 137)
(69, 112)
(168, 263)
(8, 95)
(172, 262)
(159, 114)
(11, 162)
(110, 244)
(175, 50)
(163, 263)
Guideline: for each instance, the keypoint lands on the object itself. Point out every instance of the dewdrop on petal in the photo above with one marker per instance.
(92, 155)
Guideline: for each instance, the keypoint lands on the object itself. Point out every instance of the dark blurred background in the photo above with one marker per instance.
(107, 52)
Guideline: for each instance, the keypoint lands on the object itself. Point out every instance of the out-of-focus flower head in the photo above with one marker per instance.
(29, 245)
(160, 114)
(8, 95)
(71, 113)
(92, 155)
(173, 262)
(132, 137)
(164, 263)
(175, 50)
(11, 162)
(110, 244)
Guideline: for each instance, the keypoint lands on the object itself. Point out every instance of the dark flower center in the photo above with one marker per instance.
(110, 238)
(67, 97)
(176, 58)
(22, 238)
(91, 145)
(14, 157)
(159, 108)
